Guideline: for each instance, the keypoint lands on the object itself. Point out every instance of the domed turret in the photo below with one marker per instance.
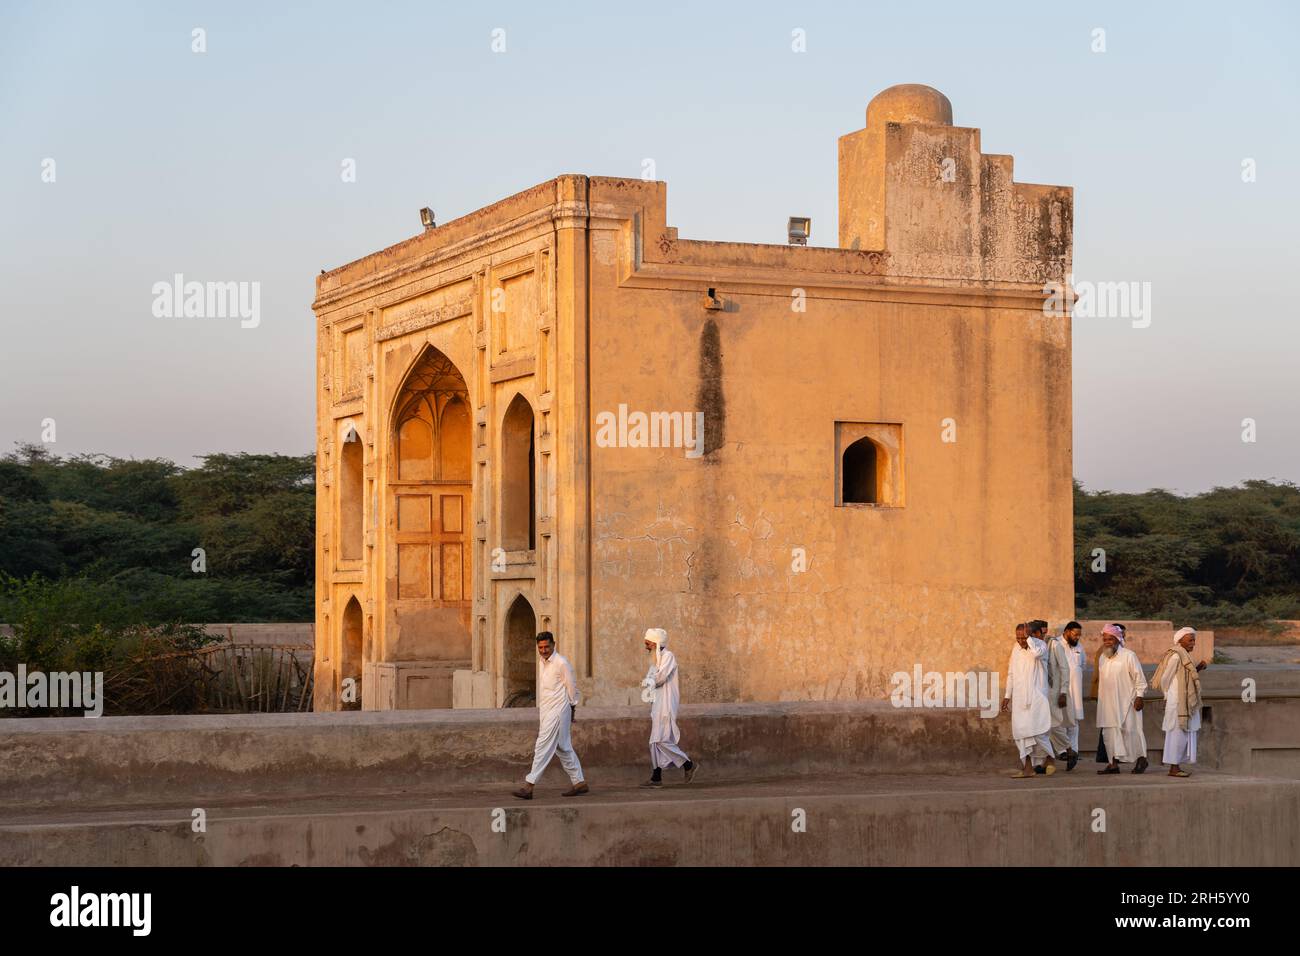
(909, 103)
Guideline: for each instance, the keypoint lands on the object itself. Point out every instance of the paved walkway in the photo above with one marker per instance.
(548, 794)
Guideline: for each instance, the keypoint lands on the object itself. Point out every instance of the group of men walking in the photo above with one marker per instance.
(1044, 696)
(557, 701)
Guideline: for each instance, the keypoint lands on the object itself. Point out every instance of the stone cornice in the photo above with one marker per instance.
(659, 259)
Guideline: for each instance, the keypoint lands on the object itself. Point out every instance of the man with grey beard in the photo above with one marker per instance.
(1066, 693)
(1118, 685)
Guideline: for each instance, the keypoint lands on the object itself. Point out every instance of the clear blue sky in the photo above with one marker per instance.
(226, 166)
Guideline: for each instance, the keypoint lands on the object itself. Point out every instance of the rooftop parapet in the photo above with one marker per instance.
(916, 187)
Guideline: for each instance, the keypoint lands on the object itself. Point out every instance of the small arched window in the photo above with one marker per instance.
(518, 477)
(869, 464)
(351, 499)
(861, 472)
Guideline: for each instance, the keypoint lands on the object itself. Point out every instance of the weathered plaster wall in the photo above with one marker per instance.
(940, 329)
(704, 547)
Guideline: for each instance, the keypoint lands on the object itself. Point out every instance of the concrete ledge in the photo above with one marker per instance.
(1147, 639)
(952, 821)
(1286, 633)
(124, 760)
(289, 634)
(120, 761)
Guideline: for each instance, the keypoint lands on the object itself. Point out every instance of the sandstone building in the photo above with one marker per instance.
(507, 437)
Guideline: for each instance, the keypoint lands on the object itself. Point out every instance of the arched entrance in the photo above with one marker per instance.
(430, 482)
(350, 645)
(521, 654)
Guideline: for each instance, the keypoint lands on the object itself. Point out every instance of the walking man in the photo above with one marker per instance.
(1119, 688)
(1066, 677)
(1180, 679)
(1026, 699)
(557, 696)
(664, 696)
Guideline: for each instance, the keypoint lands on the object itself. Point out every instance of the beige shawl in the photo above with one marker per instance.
(1190, 681)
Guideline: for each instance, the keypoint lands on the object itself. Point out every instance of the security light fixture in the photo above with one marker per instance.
(798, 230)
(426, 218)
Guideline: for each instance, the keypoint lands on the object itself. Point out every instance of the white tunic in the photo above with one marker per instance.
(1120, 681)
(1027, 690)
(1066, 672)
(1074, 655)
(664, 734)
(1167, 680)
(1180, 745)
(557, 691)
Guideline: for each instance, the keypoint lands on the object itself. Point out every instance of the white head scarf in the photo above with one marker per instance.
(1183, 632)
(659, 637)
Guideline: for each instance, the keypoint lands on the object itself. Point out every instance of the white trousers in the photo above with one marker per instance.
(1180, 746)
(552, 739)
(1038, 748)
(1135, 737)
(1114, 741)
(664, 754)
(1065, 735)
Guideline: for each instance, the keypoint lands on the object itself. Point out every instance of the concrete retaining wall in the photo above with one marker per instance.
(122, 760)
(1218, 823)
(281, 634)
(74, 761)
(1288, 632)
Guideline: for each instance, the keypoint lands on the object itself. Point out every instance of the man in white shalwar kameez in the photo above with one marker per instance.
(1178, 677)
(557, 696)
(664, 697)
(1066, 675)
(1120, 684)
(1026, 698)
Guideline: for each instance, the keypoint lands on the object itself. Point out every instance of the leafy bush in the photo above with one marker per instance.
(78, 625)
(1228, 557)
(134, 525)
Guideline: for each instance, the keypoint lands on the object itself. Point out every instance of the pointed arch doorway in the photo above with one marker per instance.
(521, 654)
(430, 486)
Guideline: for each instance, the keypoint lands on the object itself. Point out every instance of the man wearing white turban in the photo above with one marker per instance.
(662, 692)
(1119, 685)
(1026, 699)
(1180, 681)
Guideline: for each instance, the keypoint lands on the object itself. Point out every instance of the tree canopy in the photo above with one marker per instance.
(116, 532)
(117, 535)
(1229, 556)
